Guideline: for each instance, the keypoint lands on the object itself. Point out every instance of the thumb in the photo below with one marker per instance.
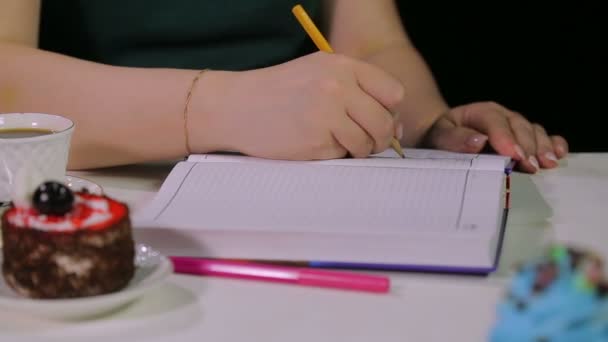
(458, 139)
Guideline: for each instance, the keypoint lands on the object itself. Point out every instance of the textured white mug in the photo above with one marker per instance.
(47, 154)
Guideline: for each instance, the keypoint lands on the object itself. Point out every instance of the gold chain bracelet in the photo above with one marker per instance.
(186, 108)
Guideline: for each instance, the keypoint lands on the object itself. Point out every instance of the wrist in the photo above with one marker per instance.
(208, 124)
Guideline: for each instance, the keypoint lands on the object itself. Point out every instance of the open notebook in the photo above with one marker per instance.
(435, 211)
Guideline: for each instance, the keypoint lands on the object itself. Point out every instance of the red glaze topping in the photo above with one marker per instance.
(89, 212)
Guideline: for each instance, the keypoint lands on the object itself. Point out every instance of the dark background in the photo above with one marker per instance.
(543, 61)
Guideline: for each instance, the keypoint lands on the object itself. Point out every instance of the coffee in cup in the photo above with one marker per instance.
(15, 133)
(40, 141)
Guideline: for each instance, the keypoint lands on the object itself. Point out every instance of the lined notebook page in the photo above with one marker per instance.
(269, 196)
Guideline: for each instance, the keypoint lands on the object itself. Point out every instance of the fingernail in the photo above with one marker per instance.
(520, 152)
(534, 162)
(477, 140)
(399, 131)
(551, 156)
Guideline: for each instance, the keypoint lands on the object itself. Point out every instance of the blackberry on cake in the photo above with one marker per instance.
(64, 244)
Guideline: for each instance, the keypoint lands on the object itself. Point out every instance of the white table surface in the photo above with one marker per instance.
(568, 204)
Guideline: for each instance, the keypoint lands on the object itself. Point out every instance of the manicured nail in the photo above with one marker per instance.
(477, 140)
(551, 156)
(399, 131)
(534, 162)
(520, 152)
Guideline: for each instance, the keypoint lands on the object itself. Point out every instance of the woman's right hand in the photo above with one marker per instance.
(320, 106)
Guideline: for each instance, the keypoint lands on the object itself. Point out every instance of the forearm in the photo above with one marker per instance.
(423, 102)
(122, 115)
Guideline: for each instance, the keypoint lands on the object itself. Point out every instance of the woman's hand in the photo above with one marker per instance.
(469, 127)
(319, 106)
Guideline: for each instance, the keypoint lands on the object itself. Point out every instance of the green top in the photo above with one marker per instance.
(193, 34)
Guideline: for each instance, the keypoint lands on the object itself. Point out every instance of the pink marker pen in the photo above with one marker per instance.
(272, 273)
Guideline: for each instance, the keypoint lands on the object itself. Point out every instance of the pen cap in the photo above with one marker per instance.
(344, 280)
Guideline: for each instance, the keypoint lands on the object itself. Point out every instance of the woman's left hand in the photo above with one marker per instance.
(468, 128)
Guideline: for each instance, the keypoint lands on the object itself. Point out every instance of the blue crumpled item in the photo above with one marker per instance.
(561, 297)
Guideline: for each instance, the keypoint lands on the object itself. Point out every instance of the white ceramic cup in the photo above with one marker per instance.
(48, 153)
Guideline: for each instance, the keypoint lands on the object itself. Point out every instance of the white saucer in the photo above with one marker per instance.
(75, 184)
(151, 270)
(78, 184)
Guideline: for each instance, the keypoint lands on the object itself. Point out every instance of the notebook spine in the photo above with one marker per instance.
(508, 191)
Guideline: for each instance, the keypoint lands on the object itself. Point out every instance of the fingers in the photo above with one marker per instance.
(332, 150)
(375, 120)
(353, 138)
(494, 123)
(508, 132)
(547, 151)
(560, 146)
(447, 136)
(544, 148)
(525, 137)
(380, 85)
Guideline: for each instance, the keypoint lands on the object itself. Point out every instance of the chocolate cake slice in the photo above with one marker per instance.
(66, 247)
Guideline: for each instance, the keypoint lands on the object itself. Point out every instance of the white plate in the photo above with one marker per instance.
(151, 270)
(78, 184)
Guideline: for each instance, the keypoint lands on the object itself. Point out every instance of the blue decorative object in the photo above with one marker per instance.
(561, 297)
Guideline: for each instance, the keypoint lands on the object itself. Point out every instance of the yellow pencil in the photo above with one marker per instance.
(323, 45)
